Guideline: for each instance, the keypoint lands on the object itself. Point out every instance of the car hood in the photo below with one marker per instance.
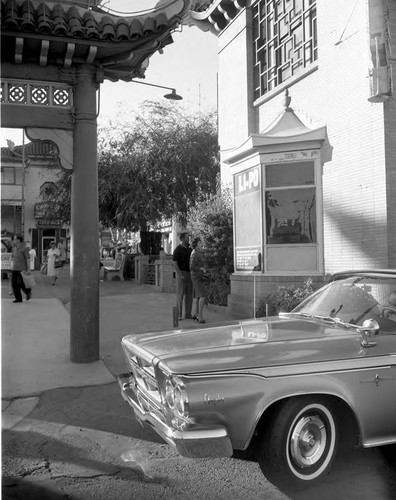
(246, 345)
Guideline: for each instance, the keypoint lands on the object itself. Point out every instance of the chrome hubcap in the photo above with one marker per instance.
(308, 441)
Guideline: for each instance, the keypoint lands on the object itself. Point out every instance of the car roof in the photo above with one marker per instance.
(364, 272)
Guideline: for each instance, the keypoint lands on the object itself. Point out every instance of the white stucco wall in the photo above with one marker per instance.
(355, 204)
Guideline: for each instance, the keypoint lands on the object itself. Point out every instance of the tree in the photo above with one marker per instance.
(154, 167)
(211, 220)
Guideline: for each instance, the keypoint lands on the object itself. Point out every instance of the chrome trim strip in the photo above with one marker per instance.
(302, 369)
(380, 442)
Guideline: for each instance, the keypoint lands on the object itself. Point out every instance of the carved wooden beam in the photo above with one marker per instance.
(18, 50)
(71, 47)
(44, 52)
(93, 49)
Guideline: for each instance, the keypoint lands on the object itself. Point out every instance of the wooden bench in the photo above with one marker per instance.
(117, 269)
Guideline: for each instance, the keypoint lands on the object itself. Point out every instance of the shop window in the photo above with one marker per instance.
(290, 205)
(11, 218)
(285, 41)
(11, 175)
(291, 215)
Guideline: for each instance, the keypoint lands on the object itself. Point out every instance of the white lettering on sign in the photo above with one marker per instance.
(6, 261)
(248, 180)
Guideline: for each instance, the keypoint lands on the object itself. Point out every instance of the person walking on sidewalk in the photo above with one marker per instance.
(197, 269)
(52, 255)
(20, 262)
(181, 263)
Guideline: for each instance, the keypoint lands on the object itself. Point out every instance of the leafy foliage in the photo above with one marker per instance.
(284, 299)
(211, 220)
(156, 166)
(219, 287)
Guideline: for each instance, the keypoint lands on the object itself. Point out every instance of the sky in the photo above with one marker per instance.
(189, 65)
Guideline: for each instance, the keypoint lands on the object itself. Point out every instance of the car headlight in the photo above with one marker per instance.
(176, 397)
(170, 394)
(180, 401)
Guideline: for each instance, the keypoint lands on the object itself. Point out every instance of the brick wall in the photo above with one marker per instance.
(359, 168)
(390, 140)
(355, 201)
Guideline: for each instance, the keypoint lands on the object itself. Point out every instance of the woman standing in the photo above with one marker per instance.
(52, 254)
(197, 270)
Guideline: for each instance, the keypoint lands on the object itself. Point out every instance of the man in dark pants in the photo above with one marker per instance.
(181, 263)
(20, 262)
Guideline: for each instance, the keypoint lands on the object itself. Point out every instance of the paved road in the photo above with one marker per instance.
(83, 443)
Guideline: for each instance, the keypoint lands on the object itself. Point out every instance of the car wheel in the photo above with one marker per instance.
(300, 443)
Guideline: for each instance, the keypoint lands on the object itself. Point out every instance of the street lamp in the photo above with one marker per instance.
(172, 96)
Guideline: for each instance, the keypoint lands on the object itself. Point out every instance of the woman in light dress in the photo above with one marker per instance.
(32, 255)
(52, 254)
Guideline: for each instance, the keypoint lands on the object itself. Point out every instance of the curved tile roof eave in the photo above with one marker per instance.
(53, 18)
(115, 38)
(217, 14)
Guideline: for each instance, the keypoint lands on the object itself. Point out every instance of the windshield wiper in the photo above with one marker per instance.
(331, 319)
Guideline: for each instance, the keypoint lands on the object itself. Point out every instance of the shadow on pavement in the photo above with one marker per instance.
(38, 461)
(358, 474)
(97, 407)
(19, 489)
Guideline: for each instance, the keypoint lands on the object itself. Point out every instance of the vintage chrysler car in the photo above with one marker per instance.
(292, 384)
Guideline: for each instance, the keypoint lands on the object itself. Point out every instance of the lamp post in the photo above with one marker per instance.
(173, 96)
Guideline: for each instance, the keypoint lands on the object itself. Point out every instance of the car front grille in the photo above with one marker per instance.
(144, 375)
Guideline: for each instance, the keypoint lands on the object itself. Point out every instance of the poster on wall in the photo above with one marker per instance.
(6, 261)
(248, 259)
(247, 217)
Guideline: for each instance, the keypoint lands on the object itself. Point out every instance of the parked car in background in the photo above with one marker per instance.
(295, 385)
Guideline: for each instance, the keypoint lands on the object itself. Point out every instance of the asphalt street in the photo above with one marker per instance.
(68, 434)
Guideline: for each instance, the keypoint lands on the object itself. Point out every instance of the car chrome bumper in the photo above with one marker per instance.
(192, 443)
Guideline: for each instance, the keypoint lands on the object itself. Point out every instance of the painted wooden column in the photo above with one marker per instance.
(84, 292)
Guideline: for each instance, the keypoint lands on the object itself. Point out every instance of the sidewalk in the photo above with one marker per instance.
(36, 335)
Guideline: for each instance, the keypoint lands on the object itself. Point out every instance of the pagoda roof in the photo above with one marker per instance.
(33, 150)
(215, 15)
(65, 33)
(287, 132)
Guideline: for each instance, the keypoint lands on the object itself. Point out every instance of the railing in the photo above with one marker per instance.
(36, 93)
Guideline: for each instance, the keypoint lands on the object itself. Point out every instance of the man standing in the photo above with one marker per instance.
(20, 262)
(181, 263)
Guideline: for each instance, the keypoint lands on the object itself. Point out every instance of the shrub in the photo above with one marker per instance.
(284, 299)
(219, 287)
(211, 220)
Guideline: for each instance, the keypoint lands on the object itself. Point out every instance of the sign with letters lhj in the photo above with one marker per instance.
(6, 261)
(247, 181)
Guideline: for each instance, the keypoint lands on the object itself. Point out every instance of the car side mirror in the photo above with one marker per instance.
(369, 328)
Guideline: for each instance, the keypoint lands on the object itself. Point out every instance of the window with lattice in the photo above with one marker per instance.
(285, 41)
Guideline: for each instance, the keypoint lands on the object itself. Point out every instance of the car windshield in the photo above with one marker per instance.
(353, 300)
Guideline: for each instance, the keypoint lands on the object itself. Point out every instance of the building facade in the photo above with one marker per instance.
(307, 131)
(27, 178)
